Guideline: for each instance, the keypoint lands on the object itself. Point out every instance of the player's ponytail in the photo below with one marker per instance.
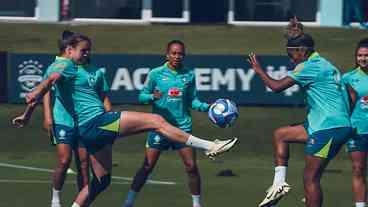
(66, 34)
(72, 39)
(295, 36)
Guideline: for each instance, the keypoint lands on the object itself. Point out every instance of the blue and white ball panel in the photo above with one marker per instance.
(223, 113)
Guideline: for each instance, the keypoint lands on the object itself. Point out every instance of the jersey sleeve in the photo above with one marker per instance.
(304, 74)
(196, 104)
(345, 79)
(65, 69)
(146, 94)
(46, 74)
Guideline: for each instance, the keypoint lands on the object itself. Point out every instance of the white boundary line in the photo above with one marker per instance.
(157, 182)
(47, 182)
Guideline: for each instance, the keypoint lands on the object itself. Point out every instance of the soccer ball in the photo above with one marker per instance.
(223, 113)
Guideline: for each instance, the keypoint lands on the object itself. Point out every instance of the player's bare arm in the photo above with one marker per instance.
(45, 86)
(33, 98)
(47, 113)
(274, 85)
(106, 103)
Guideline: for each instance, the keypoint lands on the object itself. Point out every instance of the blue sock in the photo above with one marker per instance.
(130, 198)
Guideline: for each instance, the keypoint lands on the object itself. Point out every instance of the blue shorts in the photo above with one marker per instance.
(100, 131)
(161, 143)
(65, 135)
(327, 143)
(358, 143)
(305, 124)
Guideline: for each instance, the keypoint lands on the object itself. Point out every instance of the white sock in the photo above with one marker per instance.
(196, 200)
(55, 196)
(199, 143)
(130, 198)
(280, 175)
(75, 205)
(360, 204)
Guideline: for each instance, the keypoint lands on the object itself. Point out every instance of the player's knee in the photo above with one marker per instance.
(159, 123)
(83, 168)
(157, 119)
(278, 134)
(310, 178)
(190, 167)
(84, 163)
(64, 163)
(147, 169)
(358, 170)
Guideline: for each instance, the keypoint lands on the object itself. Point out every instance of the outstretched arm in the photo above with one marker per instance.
(22, 120)
(33, 98)
(275, 85)
(196, 104)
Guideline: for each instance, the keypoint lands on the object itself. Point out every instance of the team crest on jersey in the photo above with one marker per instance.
(364, 102)
(175, 92)
(92, 79)
(355, 81)
(30, 75)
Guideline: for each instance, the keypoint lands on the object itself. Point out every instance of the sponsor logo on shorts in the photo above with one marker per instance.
(62, 134)
(352, 143)
(311, 141)
(157, 139)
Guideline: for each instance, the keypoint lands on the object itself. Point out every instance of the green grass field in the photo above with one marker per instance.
(251, 161)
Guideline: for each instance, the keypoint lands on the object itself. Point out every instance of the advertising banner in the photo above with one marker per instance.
(3, 77)
(217, 76)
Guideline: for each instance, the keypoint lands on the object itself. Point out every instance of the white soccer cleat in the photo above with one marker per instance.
(55, 204)
(274, 194)
(70, 171)
(221, 146)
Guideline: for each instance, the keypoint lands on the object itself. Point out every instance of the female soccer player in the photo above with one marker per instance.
(328, 117)
(99, 129)
(63, 131)
(63, 134)
(357, 83)
(171, 89)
